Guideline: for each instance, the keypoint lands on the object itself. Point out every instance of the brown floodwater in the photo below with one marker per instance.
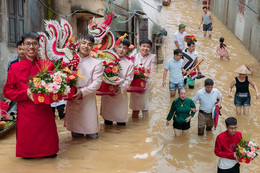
(146, 144)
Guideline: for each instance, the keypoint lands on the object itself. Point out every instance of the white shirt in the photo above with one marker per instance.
(180, 39)
(61, 102)
(224, 163)
(207, 100)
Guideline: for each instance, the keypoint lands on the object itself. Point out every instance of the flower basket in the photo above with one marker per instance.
(137, 85)
(55, 97)
(41, 98)
(106, 89)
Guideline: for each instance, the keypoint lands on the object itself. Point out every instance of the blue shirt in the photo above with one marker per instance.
(207, 100)
(174, 68)
(12, 60)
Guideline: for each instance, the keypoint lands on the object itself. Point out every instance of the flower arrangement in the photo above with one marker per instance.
(50, 86)
(111, 68)
(246, 150)
(190, 38)
(141, 73)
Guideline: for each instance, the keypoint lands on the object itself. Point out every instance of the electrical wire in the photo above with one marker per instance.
(150, 5)
(249, 8)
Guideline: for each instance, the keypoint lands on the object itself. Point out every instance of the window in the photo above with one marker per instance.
(15, 21)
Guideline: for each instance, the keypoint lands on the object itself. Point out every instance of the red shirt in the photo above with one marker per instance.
(225, 144)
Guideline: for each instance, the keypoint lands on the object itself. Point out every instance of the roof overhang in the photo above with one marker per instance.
(86, 14)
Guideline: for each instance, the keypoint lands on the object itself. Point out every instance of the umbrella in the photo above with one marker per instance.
(216, 114)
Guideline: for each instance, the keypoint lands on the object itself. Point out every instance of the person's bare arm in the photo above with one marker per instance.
(177, 44)
(230, 88)
(198, 67)
(210, 16)
(164, 77)
(201, 21)
(254, 86)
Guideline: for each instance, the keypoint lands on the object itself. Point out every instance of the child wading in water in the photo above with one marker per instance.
(222, 49)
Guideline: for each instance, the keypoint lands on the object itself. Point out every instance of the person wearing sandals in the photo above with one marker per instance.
(242, 95)
(181, 111)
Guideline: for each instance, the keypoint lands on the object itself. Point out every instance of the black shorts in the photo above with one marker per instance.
(181, 126)
(234, 169)
(207, 27)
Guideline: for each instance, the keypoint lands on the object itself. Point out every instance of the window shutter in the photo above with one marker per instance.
(20, 20)
(143, 30)
(15, 21)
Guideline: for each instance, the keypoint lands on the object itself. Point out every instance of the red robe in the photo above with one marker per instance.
(36, 134)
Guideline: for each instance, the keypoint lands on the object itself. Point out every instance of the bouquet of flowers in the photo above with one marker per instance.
(190, 38)
(141, 73)
(246, 150)
(50, 86)
(141, 76)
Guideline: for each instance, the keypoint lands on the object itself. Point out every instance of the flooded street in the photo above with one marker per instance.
(147, 144)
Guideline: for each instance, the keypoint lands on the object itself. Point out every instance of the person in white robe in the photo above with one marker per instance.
(81, 112)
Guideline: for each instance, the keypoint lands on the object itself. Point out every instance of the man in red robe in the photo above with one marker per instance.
(225, 147)
(36, 134)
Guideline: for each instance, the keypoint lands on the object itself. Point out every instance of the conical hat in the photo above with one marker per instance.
(243, 70)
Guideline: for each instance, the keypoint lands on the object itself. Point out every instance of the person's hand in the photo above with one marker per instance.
(8, 101)
(65, 107)
(229, 95)
(117, 89)
(194, 110)
(167, 123)
(219, 104)
(257, 96)
(29, 94)
(188, 119)
(235, 156)
(164, 84)
(199, 26)
(78, 94)
(211, 26)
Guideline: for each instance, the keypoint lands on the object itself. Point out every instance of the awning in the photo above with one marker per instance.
(86, 13)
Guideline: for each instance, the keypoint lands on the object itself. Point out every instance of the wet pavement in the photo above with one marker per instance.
(146, 144)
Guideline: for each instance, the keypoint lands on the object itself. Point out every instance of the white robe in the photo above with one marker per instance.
(115, 108)
(140, 101)
(82, 114)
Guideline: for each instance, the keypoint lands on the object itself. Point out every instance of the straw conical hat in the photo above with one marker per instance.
(243, 70)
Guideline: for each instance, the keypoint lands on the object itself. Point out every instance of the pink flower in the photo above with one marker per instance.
(57, 79)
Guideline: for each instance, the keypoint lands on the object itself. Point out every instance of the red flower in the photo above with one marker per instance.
(135, 72)
(111, 64)
(68, 79)
(141, 70)
(149, 71)
(74, 74)
(108, 70)
(104, 62)
(51, 72)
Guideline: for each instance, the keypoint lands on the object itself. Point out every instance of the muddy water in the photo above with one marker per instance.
(146, 144)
